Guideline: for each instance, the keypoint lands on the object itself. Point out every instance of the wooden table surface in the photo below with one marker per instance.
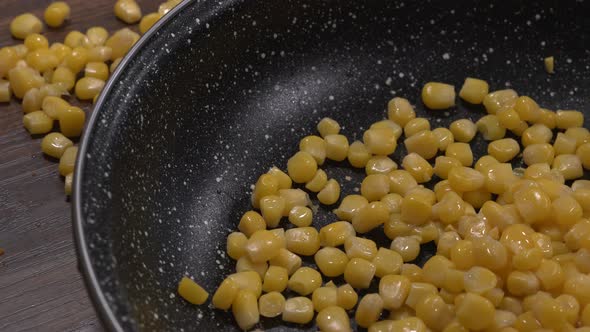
(41, 288)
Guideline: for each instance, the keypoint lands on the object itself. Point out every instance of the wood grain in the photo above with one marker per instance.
(41, 288)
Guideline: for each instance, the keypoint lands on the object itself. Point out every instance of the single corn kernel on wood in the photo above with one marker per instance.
(5, 91)
(68, 160)
(36, 41)
(438, 96)
(55, 144)
(191, 291)
(298, 310)
(474, 90)
(148, 21)
(71, 121)
(37, 123)
(127, 11)
(24, 25)
(22, 79)
(271, 304)
(8, 60)
(333, 319)
(54, 106)
(121, 42)
(88, 87)
(245, 309)
(56, 13)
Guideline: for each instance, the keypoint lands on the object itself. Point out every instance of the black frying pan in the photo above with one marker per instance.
(219, 92)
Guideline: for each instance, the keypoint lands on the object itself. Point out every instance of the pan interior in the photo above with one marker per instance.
(226, 90)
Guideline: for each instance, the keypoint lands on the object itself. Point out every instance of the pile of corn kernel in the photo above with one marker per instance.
(513, 245)
(42, 76)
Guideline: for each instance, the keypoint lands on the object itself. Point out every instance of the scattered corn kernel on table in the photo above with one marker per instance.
(40, 286)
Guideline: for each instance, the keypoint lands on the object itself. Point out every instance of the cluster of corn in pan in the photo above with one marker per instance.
(513, 245)
(42, 76)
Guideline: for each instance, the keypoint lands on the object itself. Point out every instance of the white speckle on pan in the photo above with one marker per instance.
(568, 60)
(331, 97)
(263, 55)
(388, 81)
(218, 179)
(172, 295)
(254, 23)
(446, 56)
(401, 75)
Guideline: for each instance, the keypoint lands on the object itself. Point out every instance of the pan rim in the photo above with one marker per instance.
(104, 311)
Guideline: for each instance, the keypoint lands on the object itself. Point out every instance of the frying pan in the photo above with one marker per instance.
(220, 91)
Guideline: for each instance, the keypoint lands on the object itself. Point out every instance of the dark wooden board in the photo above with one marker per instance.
(41, 288)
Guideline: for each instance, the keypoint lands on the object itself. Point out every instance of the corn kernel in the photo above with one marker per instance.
(121, 42)
(569, 165)
(331, 261)
(191, 291)
(303, 240)
(328, 126)
(415, 126)
(438, 96)
(418, 167)
(444, 137)
(271, 304)
(127, 11)
(346, 297)
(336, 147)
(55, 144)
(359, 273)
(330, 193)
(370, 217)
(56, 13)
(245, 309)
(148, 21)
(318, 182)
(333, 319)
(24, 25)
(527, 109)
(368, 310)
(400, 111)
(380, 141)
(336, 234)
(37, 123)
(286, 259)
(401, 182)
(474, 90)
(569, 119)
(499, 100)
(461, 152)
(407, 246)
(425, 143)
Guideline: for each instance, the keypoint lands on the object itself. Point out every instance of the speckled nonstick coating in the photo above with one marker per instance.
(222, 91)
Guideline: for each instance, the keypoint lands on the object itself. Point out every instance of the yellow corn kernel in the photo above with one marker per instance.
(499, 100)
(55, 144)
(357, 247)
(359, 272)
(336, 234)
(453, 283)
(477, 198)
(32, 100)
(346, 297)
(304, 281)
(415, 126)
(266, 185)
(283, 180)
(444, 138)
(246, 264)
(56, 13)
(583, 153)
(549, 64)
(435, 269)
(474, 90)
(401, 182)
(114, 65)
(336, 147)
(191, 291)
(331, 261)
(498, 177)
(370, 217)
(328, 126)
(508, 118)
(349, 206)
(88, 87)
(121, 42)
(275, 279)
(286, 259)
(521, 283)
(76, 60)
(426, 233)
(100, 54)
(36, 41)
(461, 152)
(581, 135)
(569, 165)
(68, 160)
(527, 109)
(271, 304)
(65, 77)
(416, 206)
(127, 11)
(438, 96)
(407, 246)
(358, 154)
(394, 290)
(333, 319)
(412, 272)
(465, 179)
(380, 141)
(463, 130)
(263, 245)
(578, 286)
(60, 51)
(315, 146)
(225, 294)
(393, 202)
(293, 198)
(419, 290)
(379, 165)
(475, 312)
(394, 227)
(417, 166)
(245, 309)
(538, 153)
(504, 149)
(400, 111)
(300, 216)
(37, 123)
(387, 262)
(248, 280)
(302, 167)
(330, 193)
(434, 312)
(536, 134)
(22, 79)
(566, 211)
(388, 124)
(425, 143)
(96, 36)
(24, 25)
(8, 60)
(148, 21)
(368, 310)
(446, 242)
(375, 186)
(318, 182)
(479, 280)
(272, 208)
(236, 245)
(71, 121)
(303, 240)
(569, 119)
(75, 39)
(298, 310)
(462, 254)
(490, 128)
(324, 297)
(5, 91)
(251, 222)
